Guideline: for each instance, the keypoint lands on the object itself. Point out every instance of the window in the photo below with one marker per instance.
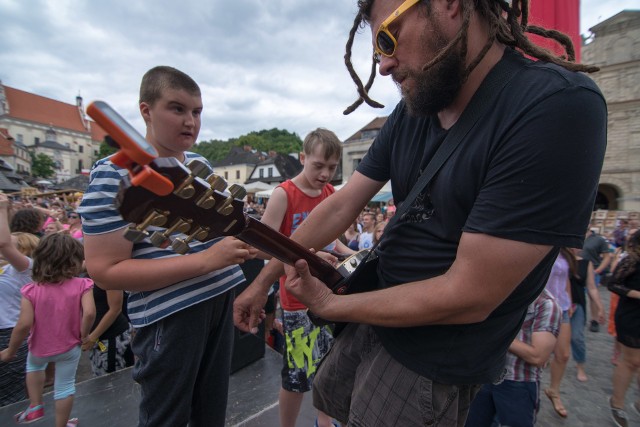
(356, 162)
(81, 148)
(36, 140)
(80, 165)
(237, 174)
(19, 137)
(270, 171)
(226, 175)
(261, 173)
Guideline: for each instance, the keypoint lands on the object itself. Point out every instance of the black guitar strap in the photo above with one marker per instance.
(482, 100)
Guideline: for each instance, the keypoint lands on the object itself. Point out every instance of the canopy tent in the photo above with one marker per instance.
(258, 186)
(264, 194)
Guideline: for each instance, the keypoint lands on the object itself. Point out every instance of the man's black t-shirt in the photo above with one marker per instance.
(528, 171)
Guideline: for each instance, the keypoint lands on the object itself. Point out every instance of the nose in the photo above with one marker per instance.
(386, 65)
(189, 120)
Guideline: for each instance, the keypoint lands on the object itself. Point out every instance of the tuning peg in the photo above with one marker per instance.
(217, 183)
(161, 239)
(138, 233)
(237, 192)
(182, 245)
(199, 168)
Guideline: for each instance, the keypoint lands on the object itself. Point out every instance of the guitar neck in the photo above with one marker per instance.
(286, 250)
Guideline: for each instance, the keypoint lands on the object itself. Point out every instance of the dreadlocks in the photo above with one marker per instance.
(508, 24)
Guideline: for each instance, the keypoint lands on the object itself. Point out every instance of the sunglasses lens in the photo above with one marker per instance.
(385, 43)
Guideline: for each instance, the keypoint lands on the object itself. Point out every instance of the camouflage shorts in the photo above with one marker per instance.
(305, 345)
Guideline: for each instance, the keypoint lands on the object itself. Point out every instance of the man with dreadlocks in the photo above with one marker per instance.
(459, 269)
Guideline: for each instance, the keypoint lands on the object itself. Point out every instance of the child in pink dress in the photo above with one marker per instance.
(57, 309)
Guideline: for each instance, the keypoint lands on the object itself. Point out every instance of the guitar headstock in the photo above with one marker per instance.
(200, 206)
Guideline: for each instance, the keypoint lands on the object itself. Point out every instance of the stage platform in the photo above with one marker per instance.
(112, 400)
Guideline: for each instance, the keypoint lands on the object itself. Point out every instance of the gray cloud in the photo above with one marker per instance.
(260, 63)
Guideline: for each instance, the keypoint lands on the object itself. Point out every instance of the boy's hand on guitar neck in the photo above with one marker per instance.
(317, 296)
(226, 252)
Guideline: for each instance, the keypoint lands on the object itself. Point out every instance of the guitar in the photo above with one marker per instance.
(190, 203)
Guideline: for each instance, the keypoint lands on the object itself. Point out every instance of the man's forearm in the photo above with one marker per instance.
(269, 274)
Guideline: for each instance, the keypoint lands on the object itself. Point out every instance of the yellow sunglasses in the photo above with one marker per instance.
(386, 44)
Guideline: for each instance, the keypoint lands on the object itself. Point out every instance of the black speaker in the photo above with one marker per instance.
(247, 347)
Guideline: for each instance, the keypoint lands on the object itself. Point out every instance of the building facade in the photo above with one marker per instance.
(615, 48)
(43, 125)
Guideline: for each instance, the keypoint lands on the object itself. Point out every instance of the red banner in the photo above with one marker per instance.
(561, 15)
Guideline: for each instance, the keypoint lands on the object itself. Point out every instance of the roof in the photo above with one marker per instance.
(239, 156)
(625, 17)
(38, 109)
(287, 166)
(375, 124)
(54, 146)
(97, 133)
(78, 182)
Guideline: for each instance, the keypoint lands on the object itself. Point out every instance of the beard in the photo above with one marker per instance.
(436, 87)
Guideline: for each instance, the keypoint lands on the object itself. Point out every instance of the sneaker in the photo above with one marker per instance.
(29, 415)
(618, 416)
(73, 422)
(595, 326)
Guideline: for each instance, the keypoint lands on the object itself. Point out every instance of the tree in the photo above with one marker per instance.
(280, 141)
(105, 150)
(42, 166)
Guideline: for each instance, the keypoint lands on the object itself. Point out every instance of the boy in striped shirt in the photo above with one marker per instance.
(181, 306)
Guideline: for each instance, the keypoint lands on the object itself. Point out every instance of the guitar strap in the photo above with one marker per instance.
(482, 100)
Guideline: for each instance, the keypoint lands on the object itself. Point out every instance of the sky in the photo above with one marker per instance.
(261, 64)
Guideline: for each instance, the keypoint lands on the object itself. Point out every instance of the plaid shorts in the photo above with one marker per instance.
(360, 384)
(305, 345)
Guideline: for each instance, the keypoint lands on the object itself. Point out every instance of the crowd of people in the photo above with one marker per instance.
(47, 297)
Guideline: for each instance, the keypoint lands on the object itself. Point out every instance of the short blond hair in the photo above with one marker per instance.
(331, 145)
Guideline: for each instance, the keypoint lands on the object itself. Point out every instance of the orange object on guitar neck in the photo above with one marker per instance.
(135, 153)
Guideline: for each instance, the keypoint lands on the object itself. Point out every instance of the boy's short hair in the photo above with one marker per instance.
(330, 143)
(160, 78)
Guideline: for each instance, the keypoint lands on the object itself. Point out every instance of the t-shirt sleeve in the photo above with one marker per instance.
(97, 208)
(87, 285)
(548, 317)
(27, 291)
(541, 179)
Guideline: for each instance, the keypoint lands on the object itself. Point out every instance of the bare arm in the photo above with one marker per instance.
(451, 298)
(593, 293)
(108, 258)
(114, 301)
(88, 313)
(7, 249)
(606, 260)
(274, 213)
(537, 353)
(20, 331)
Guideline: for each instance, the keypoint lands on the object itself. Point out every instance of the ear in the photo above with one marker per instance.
(454, 8)
(302, 157)
(145, 111)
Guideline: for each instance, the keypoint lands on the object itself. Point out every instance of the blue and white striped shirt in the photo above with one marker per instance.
(100, 216)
